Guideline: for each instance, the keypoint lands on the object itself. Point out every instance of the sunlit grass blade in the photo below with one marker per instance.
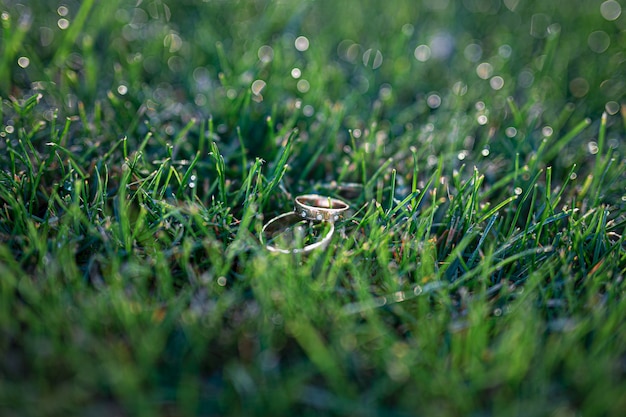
(73, 32)
(558, 146)
(12, 38)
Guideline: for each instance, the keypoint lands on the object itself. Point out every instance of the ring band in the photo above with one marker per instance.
(320, 208)
(288, 219)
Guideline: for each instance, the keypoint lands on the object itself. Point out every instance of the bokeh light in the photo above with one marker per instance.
(611, 10)
(302, 43)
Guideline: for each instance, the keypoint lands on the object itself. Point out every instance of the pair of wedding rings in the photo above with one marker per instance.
(308, 209)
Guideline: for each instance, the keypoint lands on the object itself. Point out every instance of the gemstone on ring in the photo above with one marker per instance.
(320, 208)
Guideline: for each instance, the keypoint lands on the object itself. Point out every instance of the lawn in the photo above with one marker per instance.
(479, 269)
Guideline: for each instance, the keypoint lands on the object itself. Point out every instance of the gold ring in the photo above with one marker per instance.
(320, 208)
(282, 223)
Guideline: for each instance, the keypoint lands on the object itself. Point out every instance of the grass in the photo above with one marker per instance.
(480, 270)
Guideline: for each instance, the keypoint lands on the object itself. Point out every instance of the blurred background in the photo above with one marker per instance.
(405, 73)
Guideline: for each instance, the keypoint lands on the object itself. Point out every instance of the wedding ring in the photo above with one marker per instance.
(282, 223)
(320, 208)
